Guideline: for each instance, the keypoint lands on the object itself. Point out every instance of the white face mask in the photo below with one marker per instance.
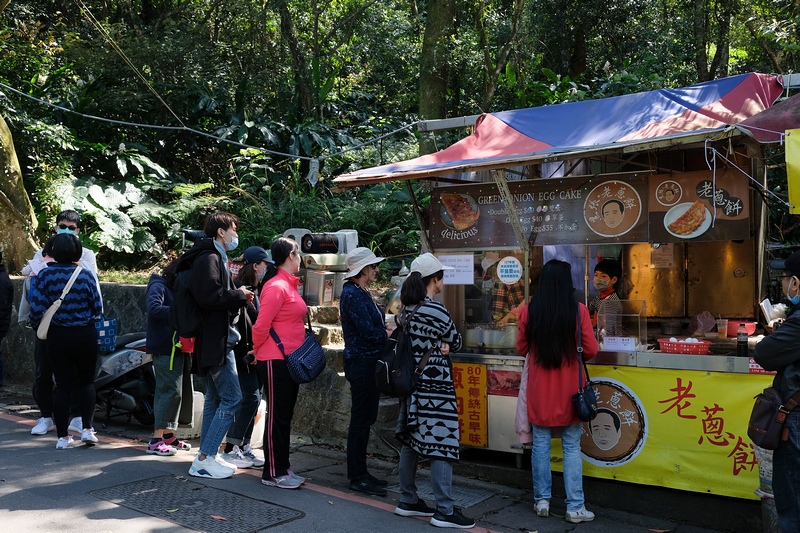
(234, 242)
(600, 284)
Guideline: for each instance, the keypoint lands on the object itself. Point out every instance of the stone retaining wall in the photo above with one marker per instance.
(323, 407)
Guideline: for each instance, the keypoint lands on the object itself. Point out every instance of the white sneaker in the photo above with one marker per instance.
(210, 468)
(542, 508)
(581, 515)
(63, 442)
(43, 425)
(248, 452)
(76, 424)
(237, 458)
(88, 436)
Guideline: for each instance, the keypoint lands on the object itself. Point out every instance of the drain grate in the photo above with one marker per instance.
(194, 505)
(462, 496)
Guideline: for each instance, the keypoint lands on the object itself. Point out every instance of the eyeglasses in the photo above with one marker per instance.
(69, 227)
(785, 276)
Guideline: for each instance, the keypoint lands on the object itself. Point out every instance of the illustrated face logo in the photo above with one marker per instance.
(612, 208)
(619, 431)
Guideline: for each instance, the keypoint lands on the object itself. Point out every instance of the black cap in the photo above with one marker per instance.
(790, 264)
(255, 254)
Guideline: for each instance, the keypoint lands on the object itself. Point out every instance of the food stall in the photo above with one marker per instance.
(676, 196)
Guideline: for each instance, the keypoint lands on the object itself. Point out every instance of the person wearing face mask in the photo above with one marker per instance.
(778, 351)
(67, 221)
(211, 285)
(237, 442)
(607, 274)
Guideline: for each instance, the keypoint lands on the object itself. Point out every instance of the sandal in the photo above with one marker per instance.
(160, 448)
(178, 444)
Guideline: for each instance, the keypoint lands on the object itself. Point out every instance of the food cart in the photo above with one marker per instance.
(672, 192)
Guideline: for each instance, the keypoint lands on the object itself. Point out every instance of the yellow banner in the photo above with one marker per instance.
(793, 169)
(681, 429)
(470, 383)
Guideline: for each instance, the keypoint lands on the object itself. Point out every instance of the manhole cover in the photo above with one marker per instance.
(462, 496)
(197, 506)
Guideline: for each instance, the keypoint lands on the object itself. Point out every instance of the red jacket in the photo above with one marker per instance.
(280, 307)
(550, 390)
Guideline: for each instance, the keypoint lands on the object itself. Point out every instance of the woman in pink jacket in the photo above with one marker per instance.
(280, 316)
(549, 332)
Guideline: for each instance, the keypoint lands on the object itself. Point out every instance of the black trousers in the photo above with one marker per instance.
(364, 397)
(72, 353)
(280, 394)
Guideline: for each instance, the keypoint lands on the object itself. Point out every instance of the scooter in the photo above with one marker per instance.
(125, 381)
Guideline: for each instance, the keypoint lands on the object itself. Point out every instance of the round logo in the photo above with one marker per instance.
(669, 193)
(612, 208)
(619, 431)
(509, 270)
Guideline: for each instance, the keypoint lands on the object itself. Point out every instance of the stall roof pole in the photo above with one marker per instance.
(423, 233)
(511, 211)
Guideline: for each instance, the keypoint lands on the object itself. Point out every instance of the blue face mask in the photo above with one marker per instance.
(229, 246)
(793, 299)
(262, 274)
(59, 230)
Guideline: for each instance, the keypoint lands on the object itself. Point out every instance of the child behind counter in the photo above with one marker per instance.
(607, 274)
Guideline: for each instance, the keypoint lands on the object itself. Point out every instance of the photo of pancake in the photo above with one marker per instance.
(688, 220)
(459, 211)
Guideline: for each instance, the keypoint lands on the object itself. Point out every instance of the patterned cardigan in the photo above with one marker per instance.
(428, 420)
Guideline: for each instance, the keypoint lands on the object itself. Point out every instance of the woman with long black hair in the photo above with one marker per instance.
(549, 329)
(428, 421)
(281, 310)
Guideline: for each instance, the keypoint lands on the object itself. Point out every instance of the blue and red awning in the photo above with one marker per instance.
(525, 134)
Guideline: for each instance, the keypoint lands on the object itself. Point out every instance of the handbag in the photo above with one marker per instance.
(765, 428)
(44, 325)
(585, 400)
(106, 334)
(308, 361)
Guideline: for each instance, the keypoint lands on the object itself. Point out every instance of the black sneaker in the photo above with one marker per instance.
(455, 519)
(367, 487)
(413, 509)
(378, 482)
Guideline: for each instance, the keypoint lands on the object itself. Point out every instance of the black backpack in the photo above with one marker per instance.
(395, 372)
(185, 316)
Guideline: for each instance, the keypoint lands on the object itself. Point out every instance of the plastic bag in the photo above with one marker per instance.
(702, 323)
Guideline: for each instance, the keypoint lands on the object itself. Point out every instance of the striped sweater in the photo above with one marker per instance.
(81, 305)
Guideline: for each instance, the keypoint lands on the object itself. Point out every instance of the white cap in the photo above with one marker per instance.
(357, 259)
(427, 264)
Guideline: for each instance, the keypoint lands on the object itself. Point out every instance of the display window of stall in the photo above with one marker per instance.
(486, 301)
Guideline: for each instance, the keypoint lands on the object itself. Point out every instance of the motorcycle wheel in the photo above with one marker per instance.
(146, 419)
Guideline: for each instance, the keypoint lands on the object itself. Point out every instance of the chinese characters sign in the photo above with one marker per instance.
(470, 384)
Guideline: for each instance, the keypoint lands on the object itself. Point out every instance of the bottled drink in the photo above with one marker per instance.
(741, 341)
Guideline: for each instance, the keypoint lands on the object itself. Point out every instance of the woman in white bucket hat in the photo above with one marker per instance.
(428, 421)
(365, 333)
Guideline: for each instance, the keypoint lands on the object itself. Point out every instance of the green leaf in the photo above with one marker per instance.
(122, 166)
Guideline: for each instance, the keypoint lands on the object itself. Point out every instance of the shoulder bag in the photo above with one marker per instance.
(44, 325)
(308, 361)
(584, 400)
(769, 414)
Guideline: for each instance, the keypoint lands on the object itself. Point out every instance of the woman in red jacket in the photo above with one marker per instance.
(281, 310)
(549, 330)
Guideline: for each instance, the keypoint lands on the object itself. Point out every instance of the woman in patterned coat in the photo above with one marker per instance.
(428, 421)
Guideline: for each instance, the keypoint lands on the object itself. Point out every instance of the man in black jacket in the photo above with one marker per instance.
(780, 351)
(212, 288)
(6, 299)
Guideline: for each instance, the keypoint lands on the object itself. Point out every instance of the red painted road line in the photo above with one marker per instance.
(310, 486)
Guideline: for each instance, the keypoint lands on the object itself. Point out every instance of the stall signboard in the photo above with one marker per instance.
(470, 384)
(680, 429)
(640, 208)
(556, 211)
(699, 206)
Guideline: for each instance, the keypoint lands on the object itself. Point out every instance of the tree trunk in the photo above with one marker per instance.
(435, 62)
(16, 213)
(305, 94)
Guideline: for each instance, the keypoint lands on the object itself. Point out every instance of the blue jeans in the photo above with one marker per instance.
(223, 397)
(441, 480)
(786, 476)
(242, 428)
(573, 464)
(364, 398)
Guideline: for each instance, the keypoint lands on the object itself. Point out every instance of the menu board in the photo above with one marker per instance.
(557, 211)
(687, 206)
(621, 210)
